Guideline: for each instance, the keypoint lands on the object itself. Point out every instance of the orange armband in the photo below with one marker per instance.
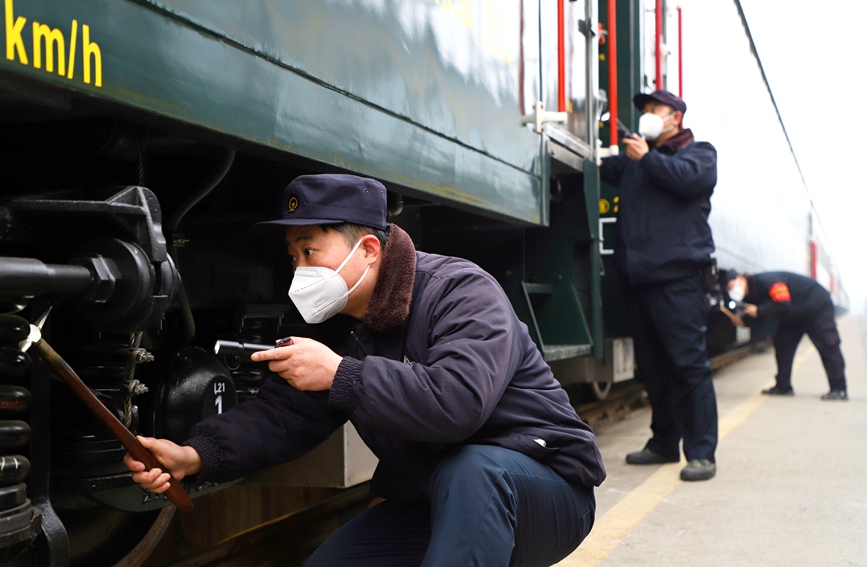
(780, 292)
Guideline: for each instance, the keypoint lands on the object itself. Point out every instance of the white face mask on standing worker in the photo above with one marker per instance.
(651, 125)
(320, 293)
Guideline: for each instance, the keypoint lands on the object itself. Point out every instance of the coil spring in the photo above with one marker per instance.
(15, 434)
(81, 446)
(108, 365)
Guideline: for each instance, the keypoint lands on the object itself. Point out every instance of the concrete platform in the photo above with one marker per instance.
(791, 483)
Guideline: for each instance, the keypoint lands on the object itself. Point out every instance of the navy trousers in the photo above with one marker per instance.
(488, 507)
(822, 330)
(669, 322)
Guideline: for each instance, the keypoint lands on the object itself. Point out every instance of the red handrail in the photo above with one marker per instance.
(612, 70)
(561, 57)
(680, 52)
(658, 44)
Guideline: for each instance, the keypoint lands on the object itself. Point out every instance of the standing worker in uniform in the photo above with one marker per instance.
(662, 252)
(482, 459)
(801, 305)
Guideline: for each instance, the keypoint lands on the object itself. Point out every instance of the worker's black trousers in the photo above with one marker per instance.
(822, 330)
(668, 321)
(489, 507)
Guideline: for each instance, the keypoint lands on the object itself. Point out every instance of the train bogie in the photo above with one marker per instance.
(141, 140)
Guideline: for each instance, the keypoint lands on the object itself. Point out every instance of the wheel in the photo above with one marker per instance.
(598, 390)
(101, 536)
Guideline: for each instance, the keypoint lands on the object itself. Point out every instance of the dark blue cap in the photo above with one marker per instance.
(725, 277)
(332, 199)
(663, 97)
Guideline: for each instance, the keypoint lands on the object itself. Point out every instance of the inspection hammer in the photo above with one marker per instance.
(176, 492)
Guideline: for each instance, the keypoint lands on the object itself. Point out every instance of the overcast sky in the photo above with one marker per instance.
(813, 55)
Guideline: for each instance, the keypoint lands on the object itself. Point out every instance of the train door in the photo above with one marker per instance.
(561, 284)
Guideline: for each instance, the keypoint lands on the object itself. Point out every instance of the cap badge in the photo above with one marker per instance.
(291, 204)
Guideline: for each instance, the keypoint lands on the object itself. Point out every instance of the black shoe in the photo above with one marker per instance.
(835, 395)
(698, 469)
(777, 391)
(648, 457)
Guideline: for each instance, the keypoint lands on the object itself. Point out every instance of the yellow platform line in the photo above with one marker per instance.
(621, 518)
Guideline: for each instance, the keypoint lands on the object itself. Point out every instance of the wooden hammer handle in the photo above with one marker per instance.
(176, 492)
(734, 318)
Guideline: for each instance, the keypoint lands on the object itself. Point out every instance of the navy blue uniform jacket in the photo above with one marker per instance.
(787, 296)
(662, 233)
(444, 361)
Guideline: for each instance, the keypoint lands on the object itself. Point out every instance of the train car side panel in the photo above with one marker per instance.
(254, 92)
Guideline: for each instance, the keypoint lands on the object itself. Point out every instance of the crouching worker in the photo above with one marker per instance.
(801, 305)
(482, 459)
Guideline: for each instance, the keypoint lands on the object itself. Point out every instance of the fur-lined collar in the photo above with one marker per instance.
(679, 141)
(389, 303)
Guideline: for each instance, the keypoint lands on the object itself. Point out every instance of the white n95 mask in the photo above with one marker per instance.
(320, 293)
(650, 126)
(736, 293)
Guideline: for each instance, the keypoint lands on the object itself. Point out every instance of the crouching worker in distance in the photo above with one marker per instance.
(482, 459)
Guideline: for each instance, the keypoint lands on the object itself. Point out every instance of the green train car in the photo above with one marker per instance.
(142, 138)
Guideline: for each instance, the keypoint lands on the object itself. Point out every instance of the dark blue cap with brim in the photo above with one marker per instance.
(727, 276)
(664, 97)
(331, 199)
